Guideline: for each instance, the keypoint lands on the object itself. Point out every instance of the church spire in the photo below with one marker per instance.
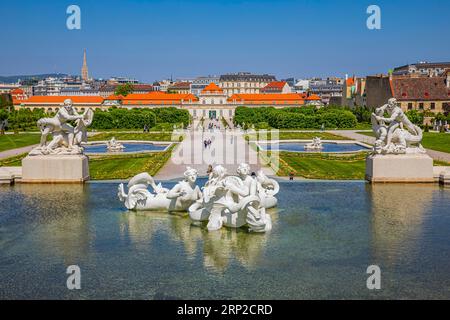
(84, 69)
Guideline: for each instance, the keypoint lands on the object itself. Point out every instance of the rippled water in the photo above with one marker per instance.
(327, 147)
(129, 147)
(325, 235)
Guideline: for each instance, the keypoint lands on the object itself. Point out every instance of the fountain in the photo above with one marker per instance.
(315, 145)
(114, 146)
(231, 201)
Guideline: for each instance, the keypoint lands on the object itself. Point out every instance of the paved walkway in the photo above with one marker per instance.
(352, 134)
(228, 148)
(15, 152)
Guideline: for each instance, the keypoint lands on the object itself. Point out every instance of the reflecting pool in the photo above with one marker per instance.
(129, 147)
(327, 147)
(325, 235)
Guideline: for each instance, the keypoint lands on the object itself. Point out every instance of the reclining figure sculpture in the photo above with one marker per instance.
(231, 201)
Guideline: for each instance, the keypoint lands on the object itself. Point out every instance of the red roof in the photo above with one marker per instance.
(313, 97)
(350, 82)
(267, 98)
(212, 88)
(275, 85)
(17, 91)
(60, 99)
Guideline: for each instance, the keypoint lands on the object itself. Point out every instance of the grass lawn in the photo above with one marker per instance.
(13, 141)
(299, 135)
(431, 140)
(151, 136)
(15, 161)
(323, 166)
(126, 166)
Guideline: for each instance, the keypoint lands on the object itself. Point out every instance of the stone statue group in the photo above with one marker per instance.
(395, 134)
(225, 200)
(66, 138)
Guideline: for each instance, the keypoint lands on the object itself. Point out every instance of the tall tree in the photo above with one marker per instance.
(124, 89)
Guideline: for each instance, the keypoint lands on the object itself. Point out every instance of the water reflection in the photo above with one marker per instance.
(60, 218)
(216, 249)
(398, 212)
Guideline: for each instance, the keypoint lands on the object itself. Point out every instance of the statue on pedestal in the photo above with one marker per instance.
(66, 139)
(395, 134)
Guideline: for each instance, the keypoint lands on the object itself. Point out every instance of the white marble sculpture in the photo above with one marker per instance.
(178, 199)
(316, 144)
(114, 146)
(66, 139)
(395, 134)
(236, 201)
(231, 201)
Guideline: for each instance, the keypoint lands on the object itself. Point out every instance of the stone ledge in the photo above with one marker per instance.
(55, 169)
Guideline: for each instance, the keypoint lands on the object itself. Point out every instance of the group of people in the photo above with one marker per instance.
(207, 143)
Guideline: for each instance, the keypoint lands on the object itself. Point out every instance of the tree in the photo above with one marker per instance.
(3, 120)
(124, 90)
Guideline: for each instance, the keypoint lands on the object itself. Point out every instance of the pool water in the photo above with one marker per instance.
(327, 147)
(325, 235)
(129, 147)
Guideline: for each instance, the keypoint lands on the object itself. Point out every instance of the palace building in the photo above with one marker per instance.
(212, 102)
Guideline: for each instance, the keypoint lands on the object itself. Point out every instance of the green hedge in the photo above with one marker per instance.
(138, 118)
(296, 118)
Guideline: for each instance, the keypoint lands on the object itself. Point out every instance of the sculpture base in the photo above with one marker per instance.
(55, 169)
(399, 168)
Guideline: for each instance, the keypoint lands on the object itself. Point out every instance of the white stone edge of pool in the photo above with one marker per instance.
(362, 144)
(168, 144)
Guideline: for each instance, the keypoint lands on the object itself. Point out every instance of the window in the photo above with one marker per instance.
(410, 106)
(421, 106)
(433, 106)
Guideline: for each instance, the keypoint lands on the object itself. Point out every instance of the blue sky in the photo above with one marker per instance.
(151, 40)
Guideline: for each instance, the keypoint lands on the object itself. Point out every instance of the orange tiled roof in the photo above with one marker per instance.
(212, 87)
(313, 97)
(60, 99)
(17, 91)
(267, 98)
(276, 85)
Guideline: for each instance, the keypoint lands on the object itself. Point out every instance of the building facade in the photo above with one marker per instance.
(244, 83)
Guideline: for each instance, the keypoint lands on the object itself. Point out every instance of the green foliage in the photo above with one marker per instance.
(296, 118)
(24, 119)
(124, 89)
(137, 118)
(415, 116)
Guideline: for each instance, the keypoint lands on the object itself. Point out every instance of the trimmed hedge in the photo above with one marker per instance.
(138, 118)
(296, 118)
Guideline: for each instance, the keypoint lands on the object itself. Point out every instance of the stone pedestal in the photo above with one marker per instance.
(399, 168)
(55, 169)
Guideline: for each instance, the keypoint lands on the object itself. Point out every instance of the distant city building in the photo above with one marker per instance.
(244, 82)
(121, 80)
(200, 83)
(212, 94)
(276, 87)
(353, 93)
(84, 69)
(326, 89)
(6, 88)
(165, 84)
(422, 68)
(412, 91)
(18, 94)
(109, 89)
(180, 87)
(301, 86)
